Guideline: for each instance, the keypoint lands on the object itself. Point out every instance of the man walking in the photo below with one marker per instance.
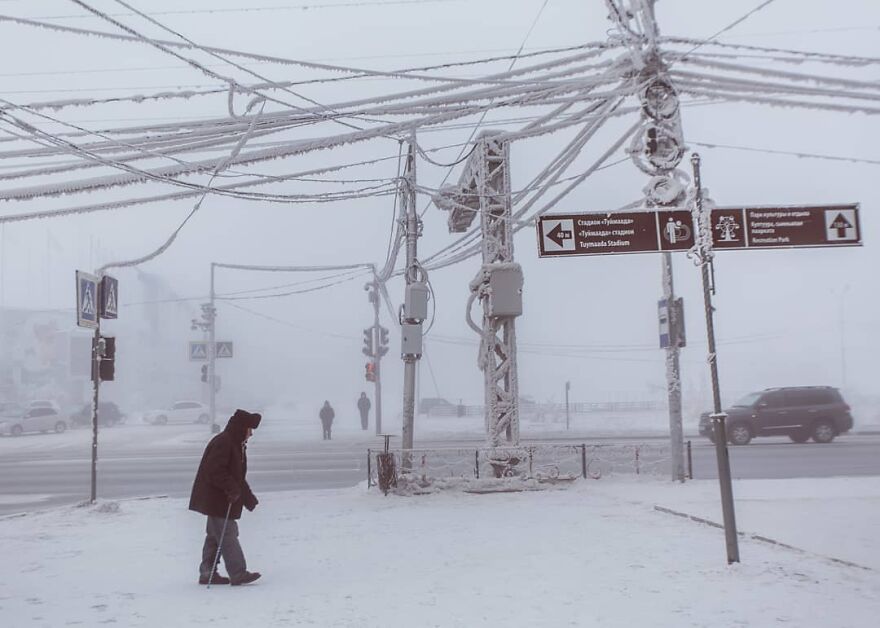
(219, 491)
(364, 409)
(327, 414)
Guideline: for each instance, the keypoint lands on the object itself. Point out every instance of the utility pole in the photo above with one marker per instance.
(207, 325)
(375, 347)
(483, 191)
(674, 310)
(212, 355)
(567, 414)
(657, 150)
(415, 306)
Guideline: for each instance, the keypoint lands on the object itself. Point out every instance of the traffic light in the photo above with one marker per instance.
(368, 343)
(383, 341)
(106, 350)
(204, 372)
(370, 372)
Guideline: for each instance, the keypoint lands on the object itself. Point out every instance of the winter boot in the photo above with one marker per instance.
(217, 579)
(246, 578)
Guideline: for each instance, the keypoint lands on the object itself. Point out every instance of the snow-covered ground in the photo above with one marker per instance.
(596, 553)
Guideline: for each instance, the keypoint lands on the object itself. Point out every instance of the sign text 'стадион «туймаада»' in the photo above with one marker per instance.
(610, 229)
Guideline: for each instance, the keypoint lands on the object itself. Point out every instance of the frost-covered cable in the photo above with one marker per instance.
(715, 36)
(167, 244)
(820, 57)
(788, 153)
(294, 62)
(778, 102)
(784, 74)
(233, 64)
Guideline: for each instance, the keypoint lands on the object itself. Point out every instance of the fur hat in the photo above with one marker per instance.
(248, 419)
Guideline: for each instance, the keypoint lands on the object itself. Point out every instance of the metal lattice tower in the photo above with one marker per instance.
(484, 190)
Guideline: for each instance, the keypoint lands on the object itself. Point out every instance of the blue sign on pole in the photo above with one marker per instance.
(109, 297)
(198, 351)
(86, 300)
(663, 316)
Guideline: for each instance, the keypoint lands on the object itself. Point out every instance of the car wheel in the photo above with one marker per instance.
(161, 420)
(16, 430)
(739, 434)
(800, 437)
(60, 427)
(203, 418)
(823, 432)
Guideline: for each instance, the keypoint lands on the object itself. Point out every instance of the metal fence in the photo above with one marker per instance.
(541, 462)
(548, 409)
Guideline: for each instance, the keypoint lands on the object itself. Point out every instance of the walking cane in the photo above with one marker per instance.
(219, 545)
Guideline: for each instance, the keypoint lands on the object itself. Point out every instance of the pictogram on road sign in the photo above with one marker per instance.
(198, 351)
(612, 233)
(224, 349)
(785, 227)
(86, 300)
(841, 225)
(109, 297)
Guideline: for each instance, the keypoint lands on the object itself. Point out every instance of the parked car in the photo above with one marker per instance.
(801, 413)
(435, 406)
(180, 412)
(108, 414)
(11, 409)
(34, 420)
(43, 403)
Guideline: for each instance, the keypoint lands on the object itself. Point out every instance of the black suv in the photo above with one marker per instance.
(108, 414)
(801, 413)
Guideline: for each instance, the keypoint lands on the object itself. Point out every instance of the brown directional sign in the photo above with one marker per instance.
(785, 227)
(614, 233)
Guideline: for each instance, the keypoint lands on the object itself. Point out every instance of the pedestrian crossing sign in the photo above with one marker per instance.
(109, 297)
(198, 351)
(86, 300)
(224, 349)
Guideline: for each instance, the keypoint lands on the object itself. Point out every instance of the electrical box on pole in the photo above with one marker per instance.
(415, 302)
(411, 339)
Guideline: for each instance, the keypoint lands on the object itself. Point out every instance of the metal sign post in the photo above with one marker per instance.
(722, 454)
(97, 297)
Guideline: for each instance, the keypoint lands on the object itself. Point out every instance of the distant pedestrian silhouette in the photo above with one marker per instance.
(327, 414)
(364, 409)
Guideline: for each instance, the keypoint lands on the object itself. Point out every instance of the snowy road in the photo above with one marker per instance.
(36, 479)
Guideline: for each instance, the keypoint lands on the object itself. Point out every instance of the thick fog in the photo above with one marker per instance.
(784, 317)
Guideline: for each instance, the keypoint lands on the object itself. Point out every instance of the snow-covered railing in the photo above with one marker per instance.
(537, 461)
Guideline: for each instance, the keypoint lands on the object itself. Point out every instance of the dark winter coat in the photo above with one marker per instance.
(364, 404)
(327, 414)
(221, 475)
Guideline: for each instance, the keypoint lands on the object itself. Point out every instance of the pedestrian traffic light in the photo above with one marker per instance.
(370, 372)
(204, 372)
(106, 350)
(368, 343)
